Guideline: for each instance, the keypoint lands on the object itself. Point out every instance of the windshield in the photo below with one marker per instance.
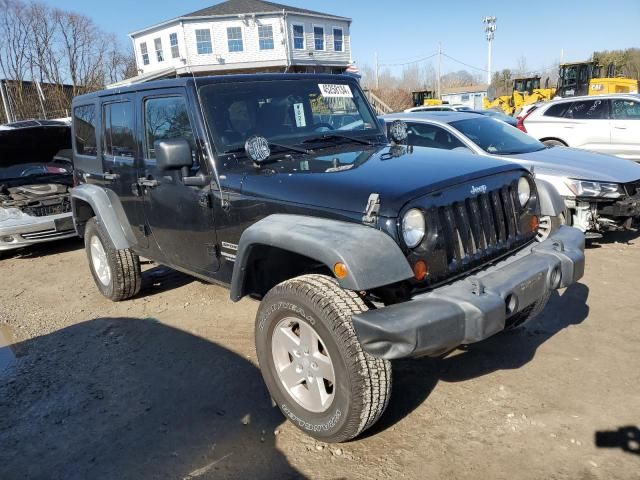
(496, 137)
(285, 112)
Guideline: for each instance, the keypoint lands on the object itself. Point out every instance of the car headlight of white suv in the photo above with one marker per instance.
(588, 188)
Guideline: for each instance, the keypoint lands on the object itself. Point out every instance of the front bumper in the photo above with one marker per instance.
(474, 308)
(32, 230)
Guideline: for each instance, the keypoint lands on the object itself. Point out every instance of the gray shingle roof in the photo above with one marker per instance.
(236, 7)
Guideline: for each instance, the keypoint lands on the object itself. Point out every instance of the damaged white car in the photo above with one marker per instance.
(36, 173)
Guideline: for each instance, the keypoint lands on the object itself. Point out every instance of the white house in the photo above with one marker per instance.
(243, 36)
(471, 95)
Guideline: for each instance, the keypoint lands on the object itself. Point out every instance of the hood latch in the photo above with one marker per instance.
(370, 216)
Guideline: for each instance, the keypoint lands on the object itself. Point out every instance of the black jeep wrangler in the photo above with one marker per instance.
(284, 188)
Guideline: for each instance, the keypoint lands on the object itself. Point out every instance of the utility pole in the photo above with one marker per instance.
(439, 68)
(377, 73)
(489, 29)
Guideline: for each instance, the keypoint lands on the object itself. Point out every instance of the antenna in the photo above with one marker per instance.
(207, 135)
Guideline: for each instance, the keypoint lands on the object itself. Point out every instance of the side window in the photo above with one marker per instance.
(84, 125)
(165, 118)
(589, 110)
(557, 110)
(425, 135)
(626, 110)
(118, 127)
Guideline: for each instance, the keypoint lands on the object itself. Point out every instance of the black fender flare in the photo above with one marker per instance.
(551, 203)
(373, 258)
(108, 210)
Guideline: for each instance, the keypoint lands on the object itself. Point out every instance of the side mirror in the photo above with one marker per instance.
(173, 154)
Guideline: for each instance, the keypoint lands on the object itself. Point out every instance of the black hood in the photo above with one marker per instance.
(343, 179)
(33, 144)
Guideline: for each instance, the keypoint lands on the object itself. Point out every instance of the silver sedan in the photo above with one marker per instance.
(601, 192)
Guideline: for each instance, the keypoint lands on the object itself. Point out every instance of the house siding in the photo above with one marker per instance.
(222, 59)
(328, 56)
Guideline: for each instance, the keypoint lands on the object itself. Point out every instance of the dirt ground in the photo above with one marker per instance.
(166, 386)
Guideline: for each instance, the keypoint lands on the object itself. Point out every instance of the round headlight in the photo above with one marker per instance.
(413, 227)
(524, 191)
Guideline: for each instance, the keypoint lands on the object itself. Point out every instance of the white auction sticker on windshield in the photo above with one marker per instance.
(335, 90)
(298, 111)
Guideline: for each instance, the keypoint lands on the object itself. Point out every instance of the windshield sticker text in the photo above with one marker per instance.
(331, 90)
(298, 111)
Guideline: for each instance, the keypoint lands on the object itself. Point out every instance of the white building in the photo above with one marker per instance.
(243, 36)
(470, 96)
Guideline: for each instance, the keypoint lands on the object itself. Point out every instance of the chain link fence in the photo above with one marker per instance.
(22, 100)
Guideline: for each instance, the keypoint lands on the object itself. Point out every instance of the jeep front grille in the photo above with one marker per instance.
(466, 230)
(480, 226)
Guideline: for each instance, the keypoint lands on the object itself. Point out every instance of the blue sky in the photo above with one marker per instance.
(409, 29)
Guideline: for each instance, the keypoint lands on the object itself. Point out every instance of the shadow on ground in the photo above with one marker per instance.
(132, 398)
(626, 439)
(415, 379)
(624, 237)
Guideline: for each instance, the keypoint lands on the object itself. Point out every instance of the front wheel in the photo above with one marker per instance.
(554, 143)
(312, 362)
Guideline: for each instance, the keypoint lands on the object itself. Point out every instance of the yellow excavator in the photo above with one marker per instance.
(425, 97)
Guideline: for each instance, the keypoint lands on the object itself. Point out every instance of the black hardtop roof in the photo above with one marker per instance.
(188, 81)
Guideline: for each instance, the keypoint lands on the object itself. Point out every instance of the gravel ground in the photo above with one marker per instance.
(166, 386)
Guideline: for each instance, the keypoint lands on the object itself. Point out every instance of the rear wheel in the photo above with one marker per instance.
(115, 272)
(312, 361)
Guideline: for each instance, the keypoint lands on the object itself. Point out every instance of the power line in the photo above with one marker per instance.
(465, 64)
(408, 63)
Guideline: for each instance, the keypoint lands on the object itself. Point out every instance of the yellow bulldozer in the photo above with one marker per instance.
(526, 90)
(425, 97)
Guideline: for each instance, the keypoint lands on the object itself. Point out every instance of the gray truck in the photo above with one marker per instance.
(360, 251)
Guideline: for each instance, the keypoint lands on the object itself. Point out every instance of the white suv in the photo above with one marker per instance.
(604, 123)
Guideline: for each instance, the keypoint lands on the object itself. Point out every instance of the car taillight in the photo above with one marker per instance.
(520, 119)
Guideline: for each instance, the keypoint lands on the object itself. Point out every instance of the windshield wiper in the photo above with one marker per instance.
(282, 147)
(336, 136)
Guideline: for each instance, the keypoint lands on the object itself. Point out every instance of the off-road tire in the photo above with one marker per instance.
(528, 314)
(363, 383)
(126, 277)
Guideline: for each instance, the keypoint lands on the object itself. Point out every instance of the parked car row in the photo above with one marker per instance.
(364, 240)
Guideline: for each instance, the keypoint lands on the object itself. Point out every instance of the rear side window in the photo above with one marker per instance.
(84, 126)
(118, 124)
(626, 109)
(165, 118)
(426, 135)
(557, 110)
(588, 110)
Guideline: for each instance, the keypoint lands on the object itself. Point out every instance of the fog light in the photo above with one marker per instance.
(534, 223)
(340, 269)
(420, 270)
(7, 239)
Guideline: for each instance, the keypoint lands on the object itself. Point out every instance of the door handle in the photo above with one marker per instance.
(148, 182)
(620, 128)
(111, 176)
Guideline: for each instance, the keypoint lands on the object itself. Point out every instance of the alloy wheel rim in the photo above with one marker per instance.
(99, 261)
(303, 364)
